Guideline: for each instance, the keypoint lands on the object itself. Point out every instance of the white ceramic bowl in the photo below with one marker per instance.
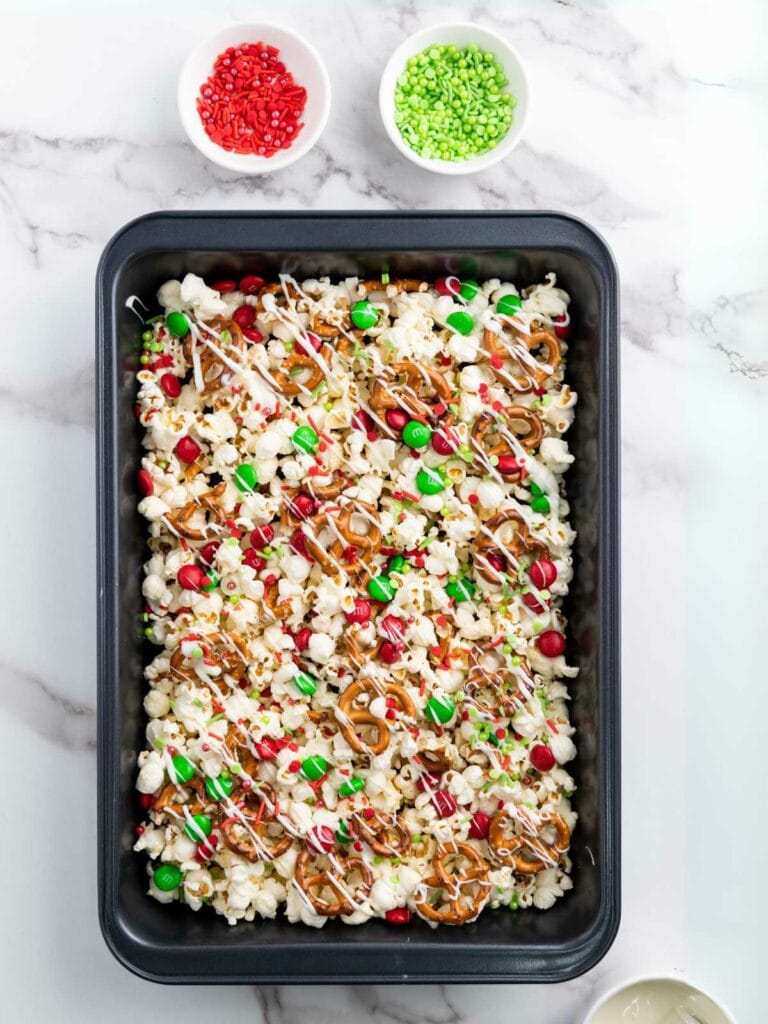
(460, 34)
(694, 999)
(300, 58)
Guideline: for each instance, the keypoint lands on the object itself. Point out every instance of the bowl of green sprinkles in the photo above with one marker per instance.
(454, 98)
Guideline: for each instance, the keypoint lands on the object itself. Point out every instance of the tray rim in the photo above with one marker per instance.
(562, 962)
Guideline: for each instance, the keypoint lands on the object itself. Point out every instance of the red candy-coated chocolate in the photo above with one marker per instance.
(262, 536)
(541, 758)
(267, 748)
(551, 643)
(145, 483)
(187, 449)
(301, 639)
(389, 652)
(146, 800)
(298, 543)
(361, 612)
(393, 627)
(192, 577)
(396, 418)
(206, 849)
(251, 283)
(244, 315)
(253, 560)
(427, 782)
(251, 334)
(531, 601)
(363, 420)
(496, 562)
(303, 346)
(478, 827)
(444, 803)
(508, 464)
(444, 441)
(170, 385)
(543, 573)
(303, 506)
(398, 915)
(208, 551)
(224, 285)
(448, 285)
(562, 328)
(321, 839)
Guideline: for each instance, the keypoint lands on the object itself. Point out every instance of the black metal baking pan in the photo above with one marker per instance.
(170, 943)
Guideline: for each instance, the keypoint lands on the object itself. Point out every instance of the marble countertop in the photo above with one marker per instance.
(650, 121)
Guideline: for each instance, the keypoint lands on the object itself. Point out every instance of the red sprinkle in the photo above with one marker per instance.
(251, 104)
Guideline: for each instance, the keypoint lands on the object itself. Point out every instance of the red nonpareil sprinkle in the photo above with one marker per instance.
(251, 104)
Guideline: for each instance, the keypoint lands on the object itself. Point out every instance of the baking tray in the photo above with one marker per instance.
(170, 943)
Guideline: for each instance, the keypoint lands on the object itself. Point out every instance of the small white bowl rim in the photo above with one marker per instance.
(485, 160)
(252, 163)
(683, 979)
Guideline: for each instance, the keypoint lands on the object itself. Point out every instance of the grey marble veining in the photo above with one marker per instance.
(649, 120)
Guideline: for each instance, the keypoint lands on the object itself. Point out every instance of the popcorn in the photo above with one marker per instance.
(305, 697)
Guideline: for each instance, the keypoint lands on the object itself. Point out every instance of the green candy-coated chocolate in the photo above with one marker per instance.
(536, 491)
(460, 590)
(440, 709)
(314, 768)
(342, 832)
(246, 477)
(177, 324)
(461, 322)
(167, 877)
(305, 439)
(396, 564)
(305, 683)
(364, 315)
(353, 785)
(381, 589)
(198, 827)
(429, 481)
(219, 788)
(508, 305)
(469, 290)
(181, 769)
(541, 504)
(214, 582)
(416, 435)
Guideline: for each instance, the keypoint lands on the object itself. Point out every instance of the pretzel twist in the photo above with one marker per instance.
(215, 372)
(274, 608)
(418, 379)
(169, 799)
(490, 430)
(331, 887)
(527, 851)
(366, 544)
(284, 291)
(355, 712)
(255, 833)
(521, 545)
(460, 880)
(287, 385)
(527, 372)
(435, 759)
(226, 649)
(385, 833)
(357, 654)
(210, 503)
(490, 689)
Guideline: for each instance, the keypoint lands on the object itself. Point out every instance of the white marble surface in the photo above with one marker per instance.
(650, 120)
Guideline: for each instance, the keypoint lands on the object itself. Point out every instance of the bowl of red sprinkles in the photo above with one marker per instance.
(254, 98)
